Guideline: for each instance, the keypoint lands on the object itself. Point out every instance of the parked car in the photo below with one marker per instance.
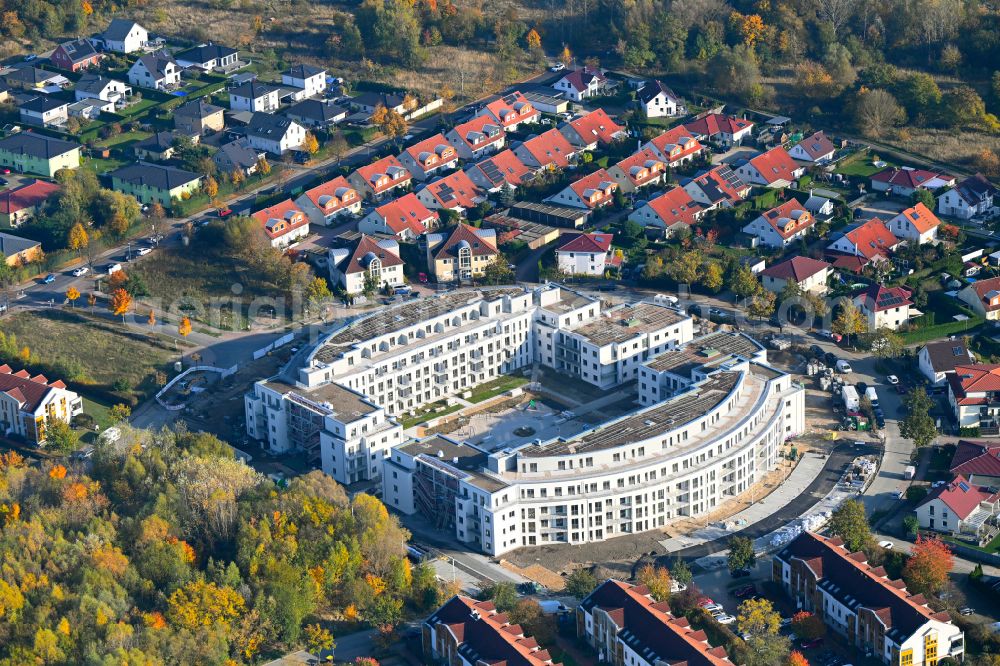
(225, 212)
(816, 351)
(725, 619)
(705, 601)
(745, 591)
(422, 277)
(888, 545)
(49, 279)
(809, 645)
(892, 379)
(844, 367)
(967, 611)
(713, 608)
(558, 67)
(740, 573)
(143, 251)
(81, 271)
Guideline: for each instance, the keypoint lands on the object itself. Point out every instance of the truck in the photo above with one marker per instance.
(851, 400)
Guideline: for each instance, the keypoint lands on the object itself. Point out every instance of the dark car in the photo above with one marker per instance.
(862, 387)
(745, 591)
(740, 573)
(880, 421)
(816, 351)
(808, 645)
(830, 359)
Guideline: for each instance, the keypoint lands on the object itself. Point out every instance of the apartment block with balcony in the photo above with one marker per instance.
(859, 601)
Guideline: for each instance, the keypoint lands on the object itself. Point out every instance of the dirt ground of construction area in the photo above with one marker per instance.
(619, 554)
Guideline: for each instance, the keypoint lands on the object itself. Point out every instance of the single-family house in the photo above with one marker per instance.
(775, 168)
(498, 171)
(582, 83)
(675, 146)
(154, 183)
(641, 169)
(983, 296)
(44, 111)
(936, 359)
(719, 129)
(815, 149)
(75, 55)
(593, 129)
(719, 187)
(808, 274)
(18, 251)
(28, 404)
(960, 509)
(979, 462)
(330, 201)
(254, 96)
(586, 254)
(974, 394)
(669, 211)
(548, 150)
(366, 261)
(431, 156)
(973, 196)
(19, 204)
(905, 181)
(89, 109)
(593, 191)
(477, 138)
(367, 102)
(95, 86)
(159, 146)
(782, 225)
(511, 111)
(462, 253)
(28, 152)
(862, 244)
(156, 70)
(237, 155)
(405, 218)
(819, 206)
(377, 179)
(656, 100)
(199, 117)
(32, 79)
(283, 223)
(208, 57)
(917, 224)
(310, 80)
(456, 192)
(886, 307)
(123, 36)
(275, 134)
(316, 113)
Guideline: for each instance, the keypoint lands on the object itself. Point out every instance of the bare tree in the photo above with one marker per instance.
(877, 111)
(837, 12)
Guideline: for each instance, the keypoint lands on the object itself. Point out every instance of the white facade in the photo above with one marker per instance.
(660, 106)
(260, 99)
(134, 39)
(311, 83)
(20, 418)
(140, 75)
(278, 143)
(581, 263)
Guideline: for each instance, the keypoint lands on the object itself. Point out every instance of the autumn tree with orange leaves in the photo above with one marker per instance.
(184, 328)
(927, 569)
(120, 302)
(796, 658)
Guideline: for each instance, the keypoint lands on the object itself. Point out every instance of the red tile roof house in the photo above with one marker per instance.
(809, 274)
(718, 187)
(977, 461)
(431, 156)
(27, 402)
(639, 170)
(378, 258)
(974, 394)
(775, 168)
(511, 110)
(456, 192)
(547, 150)
(19, 204)
(330, 201)
(593, 129)
(815, 149)
(499, 171)
(466, 632)
(75, 55)
(984, 297)
(907, 180)
(376, 180)
(582, 83)
(782, 225)
(477, 138)
(594, 191)
(960, 509)
(719, 128)
(870, 241)
(916, 224)
(886, 307)
(462, 253)
(405, 218)
(675, 146)
(586, 254)
(625, 623)
(671, 210)
(283, 223)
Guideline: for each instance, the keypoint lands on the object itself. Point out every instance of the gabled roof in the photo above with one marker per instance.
(504, 167)
(156, 63)
(155, 176)
(877, 298)
(405, 213)
(853, 582)
(789, 218)
(715, 123)
(597, 126)
(27, 390)
(944, 355)
(30, 74)
(599, 183)
(268, 126)
(974, 188)
(281, 218)
(26, 196)
(796, 269)
(922, 219)
(323, 111)
(480, 131)
(511, 109)
(486, 636)
(642, 166)
(479, 243)
(721, 183)
(95, 83)
(974, 378)
(36, 145)
(651, 89)
(432, 146)
(253, 90)
(456, 190)
(974, 459)
(157, 143)
(303, 71)
(597, 243)
(582, 78)
(675, 205)
(11, 245)
(550, 147)
(872, 239)
(366, 249)
(911, 178)
(986, 291)
(962, 496)
(676, 143)
(43, 103)
(387, 166)
(199, 108)
(204, 53)
(329, 197)
(774, 165)
(817, 145)
(118, 29)
(374, 99)
(78, 50)
(239, 153)
(649, 628)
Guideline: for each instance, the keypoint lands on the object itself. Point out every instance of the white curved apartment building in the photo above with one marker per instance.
(680, 456)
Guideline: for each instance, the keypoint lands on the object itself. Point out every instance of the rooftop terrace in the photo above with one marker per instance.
(707, 349)
(624, 323)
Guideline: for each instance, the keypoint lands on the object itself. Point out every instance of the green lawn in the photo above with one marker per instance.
(496, 387)
(101, 165)
(123, 139)
(861, 166)
(940, 330)
(431, 411)
(993, 547)
(100, 411)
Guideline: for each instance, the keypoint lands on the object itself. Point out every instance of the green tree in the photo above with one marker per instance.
(762, 304)
(850, 321)
(685, 268)
(743, 282)
(502, 594)
(498, 271)
(911, 525)
(120, 413)
(741, 554)
(680, 572)
(926, 197)
(711, 276)
(59, 436)
(920, 94)
(760, 622)
(918, 424)
(580, 583)
(850, 523)
(886, 343)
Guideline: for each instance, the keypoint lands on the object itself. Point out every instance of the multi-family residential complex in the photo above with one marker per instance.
(860, 602)
(28, 403)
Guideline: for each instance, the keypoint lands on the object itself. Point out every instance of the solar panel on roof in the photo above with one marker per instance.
(957, 351)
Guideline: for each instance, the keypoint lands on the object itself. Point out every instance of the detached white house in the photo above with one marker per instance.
(431, 156)
(582, 83)
(254, 96)
(274, 134)
(657, 100)
(671, 210)
(775, 168)
(916, 224)
(937, 359)
(973, 196)
(330, 201)
(782, 225)
(367, 259)
(586, 254)
(123, 36)
(310, 80)
(960, 508)
(477, 138)
(809, 274)
(886, 307)
(283, 223)
(816, 149)
(406, 218)
(158, 71)
(983, 296)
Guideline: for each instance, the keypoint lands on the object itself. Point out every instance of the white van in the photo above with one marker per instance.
(843, 366)
(871, 395)
(113, 268)
(666, 299)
